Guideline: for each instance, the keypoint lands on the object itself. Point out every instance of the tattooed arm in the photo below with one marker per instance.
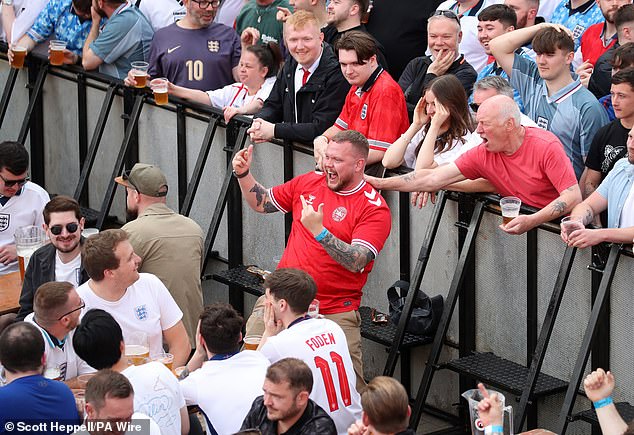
(420, 180)
(352, 257)
(256, 196)
(567, 199)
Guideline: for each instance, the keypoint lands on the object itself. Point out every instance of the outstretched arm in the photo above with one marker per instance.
(254, 193)
(424, 180)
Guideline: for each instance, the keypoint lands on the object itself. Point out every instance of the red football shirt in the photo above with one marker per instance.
(379, 112)
(359, 217)
(592, 43)
(536, 173)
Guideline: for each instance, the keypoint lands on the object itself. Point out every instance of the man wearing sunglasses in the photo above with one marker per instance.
(59, 260)
(57, 309)
(21, 202)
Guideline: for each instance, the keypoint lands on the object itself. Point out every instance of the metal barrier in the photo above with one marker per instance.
(197, 158)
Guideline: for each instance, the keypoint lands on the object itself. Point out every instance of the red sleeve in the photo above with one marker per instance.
(374, 227)
(389, 119)
(557, 167)
(471, 163)
(344, 117)
(282, 196)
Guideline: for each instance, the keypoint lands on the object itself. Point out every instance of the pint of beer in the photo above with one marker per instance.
(251, 342)
(510, 206)
(159, 88)
(19, 53)
(28, 239)
(137, 354)
(56, 52)
(139, 71)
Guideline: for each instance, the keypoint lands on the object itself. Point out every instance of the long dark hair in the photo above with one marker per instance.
(450, 93)
(269, 56)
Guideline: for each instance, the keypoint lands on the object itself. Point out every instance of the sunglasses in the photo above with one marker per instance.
(474, 107)
(447, 14)
(80, 307)
(56, 230)
(11, 183)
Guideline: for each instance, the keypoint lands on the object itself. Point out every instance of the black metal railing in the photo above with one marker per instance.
(470, 211)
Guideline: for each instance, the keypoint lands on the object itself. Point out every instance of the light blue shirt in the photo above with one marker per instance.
(125, 38)
(615, 188)
(579, 21)
(493, 69)
(573, 114)
(58, 19)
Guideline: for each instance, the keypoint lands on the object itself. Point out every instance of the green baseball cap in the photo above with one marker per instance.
(145, 179)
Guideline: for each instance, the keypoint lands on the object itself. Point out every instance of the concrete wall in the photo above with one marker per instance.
(501, 262)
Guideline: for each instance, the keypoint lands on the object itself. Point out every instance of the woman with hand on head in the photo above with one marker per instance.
(258, 68)
(442, 129)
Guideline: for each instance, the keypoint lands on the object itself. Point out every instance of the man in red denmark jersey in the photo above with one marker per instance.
(340, 224)
(375, 105)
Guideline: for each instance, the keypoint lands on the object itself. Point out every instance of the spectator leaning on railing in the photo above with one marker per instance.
(310, 90)
(195, 52)
(125, 38)
(613, 194)
(65, 20)
(526, 162)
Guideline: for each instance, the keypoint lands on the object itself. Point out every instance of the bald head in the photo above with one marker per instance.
(502, 108)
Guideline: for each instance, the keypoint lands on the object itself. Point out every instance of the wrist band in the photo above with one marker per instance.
(319, 237)
(491, 429)
(238, 176)
(603, 402)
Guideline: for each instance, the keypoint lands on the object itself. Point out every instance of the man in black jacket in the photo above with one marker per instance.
(285, 406)
(61, 259)
(443, 37)
(310, 90)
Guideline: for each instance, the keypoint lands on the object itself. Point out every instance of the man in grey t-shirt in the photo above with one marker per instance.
(125, 38)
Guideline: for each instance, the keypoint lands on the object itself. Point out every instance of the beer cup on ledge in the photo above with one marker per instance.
(56, 52)
(19, 53)
(139, 71)
(137, 348)
(159, 88)
(510, 206)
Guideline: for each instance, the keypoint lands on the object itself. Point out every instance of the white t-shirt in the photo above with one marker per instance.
(20, 210)
(64, 359)
(471, 140)
(225, 389)
(157, 394)
(546, 8)
(162, 13)
(137, 418)
(321, 344)
(237, 94)
(146, 306)
(70, 272)
(26, 12)
(228, 12)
